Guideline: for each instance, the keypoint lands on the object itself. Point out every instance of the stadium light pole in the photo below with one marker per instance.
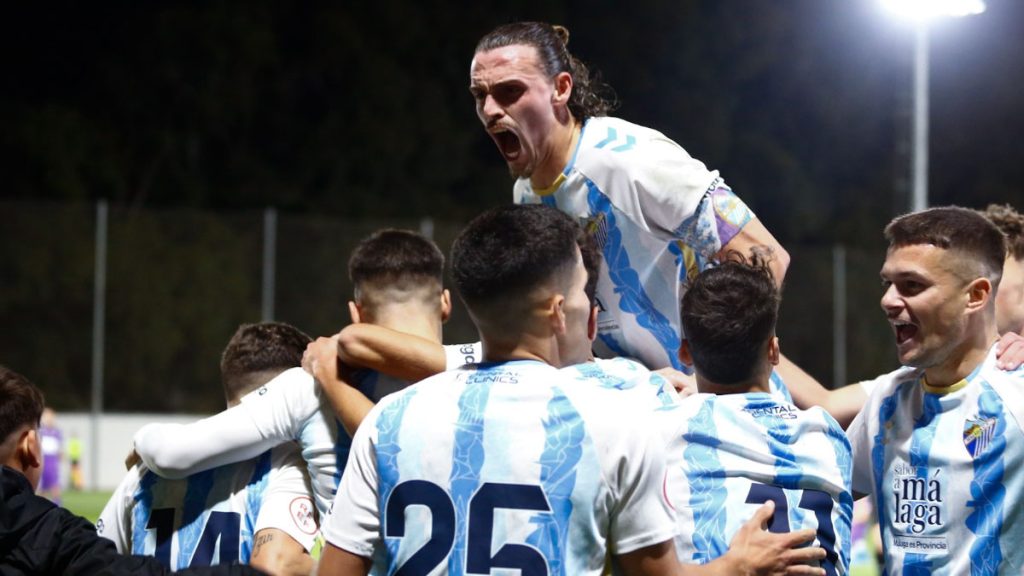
(921, 12)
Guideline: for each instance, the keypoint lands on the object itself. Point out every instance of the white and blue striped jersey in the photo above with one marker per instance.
(728, 454)
(289, 407)
(508, 465)
(660, 216)
(211, 517)
(945, 469)
(628, 376)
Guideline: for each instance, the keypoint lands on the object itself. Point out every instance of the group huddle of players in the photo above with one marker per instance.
(627, 407)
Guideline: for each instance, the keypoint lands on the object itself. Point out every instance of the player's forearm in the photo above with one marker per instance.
(843, 403)
(394, 353)
(275, 552)
(349, 404)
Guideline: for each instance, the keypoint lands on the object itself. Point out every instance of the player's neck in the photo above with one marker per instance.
(963, 359)
(409, 318)
(521, 347)
(563, 146)
(705, 386)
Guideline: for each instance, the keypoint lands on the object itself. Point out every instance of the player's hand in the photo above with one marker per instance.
(320, 359)
(132, 459)
(314, 352)
(754, 550)
(1010, 351)
(684, 384)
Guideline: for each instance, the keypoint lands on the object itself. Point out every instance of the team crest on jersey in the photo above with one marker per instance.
(303, 514)
(978, 433)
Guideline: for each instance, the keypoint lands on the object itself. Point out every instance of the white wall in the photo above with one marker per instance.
(114, 433)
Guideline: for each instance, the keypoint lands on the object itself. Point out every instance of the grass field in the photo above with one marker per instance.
(88, 504)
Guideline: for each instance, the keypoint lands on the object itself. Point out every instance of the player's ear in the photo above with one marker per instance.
(29, 450)
(978, 292)
(773, 350)
(446, 305)
(353, 311)
(563, 88)
(592, 324)
(684, 353)
(555, 310)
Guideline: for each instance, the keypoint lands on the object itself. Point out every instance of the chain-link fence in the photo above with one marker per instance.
(179, 282)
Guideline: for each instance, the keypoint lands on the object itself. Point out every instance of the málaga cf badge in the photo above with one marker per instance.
(978, 433)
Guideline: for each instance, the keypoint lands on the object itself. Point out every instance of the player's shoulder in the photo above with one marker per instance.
(886, 385)
(291, 381)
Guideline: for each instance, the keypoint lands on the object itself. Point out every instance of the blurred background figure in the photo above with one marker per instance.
(52, 442)
(75, 458)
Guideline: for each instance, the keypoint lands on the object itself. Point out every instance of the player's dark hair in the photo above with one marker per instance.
(955, 229)
(259, 352)
(1011, 224)
(506, 253)
(591, 253)
(21, 403)
(399, 259)
(590, 96)
(728, 315)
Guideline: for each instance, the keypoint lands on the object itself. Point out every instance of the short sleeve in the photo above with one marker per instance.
(287, 505)
(642, 516)
(354, 521)
(114, 522)
(860, 446)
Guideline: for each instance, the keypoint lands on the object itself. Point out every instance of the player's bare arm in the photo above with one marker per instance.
(390, 352)
(843, 403)
(340, 562)
(755, 237)
(321, 359)
(275, 552)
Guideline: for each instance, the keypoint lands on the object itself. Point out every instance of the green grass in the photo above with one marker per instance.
(88, 504)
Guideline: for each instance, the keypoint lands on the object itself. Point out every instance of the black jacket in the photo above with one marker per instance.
(39, 537)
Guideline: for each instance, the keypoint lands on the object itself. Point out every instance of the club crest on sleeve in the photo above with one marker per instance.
(978, 433)
(304, 514)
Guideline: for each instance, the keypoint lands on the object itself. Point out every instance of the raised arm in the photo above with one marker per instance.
(755, 237)
(394, 353)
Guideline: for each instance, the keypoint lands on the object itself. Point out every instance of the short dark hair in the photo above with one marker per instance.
(728, 315)
(955, 229)
(592, 257)
(1011, 224)
(258, 352)
(504, 254)
(590, 96)
(21, 403)
(398, 259)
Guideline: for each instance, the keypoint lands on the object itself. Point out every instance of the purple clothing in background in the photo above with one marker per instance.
(52, 445)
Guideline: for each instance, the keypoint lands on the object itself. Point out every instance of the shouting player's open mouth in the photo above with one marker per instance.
(508, 142)
(905, 332)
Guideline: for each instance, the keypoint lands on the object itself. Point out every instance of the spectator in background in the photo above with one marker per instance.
(52, 441)
(75, 479)
(36, 535)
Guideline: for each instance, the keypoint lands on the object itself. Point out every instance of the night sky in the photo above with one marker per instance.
(361, 109)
